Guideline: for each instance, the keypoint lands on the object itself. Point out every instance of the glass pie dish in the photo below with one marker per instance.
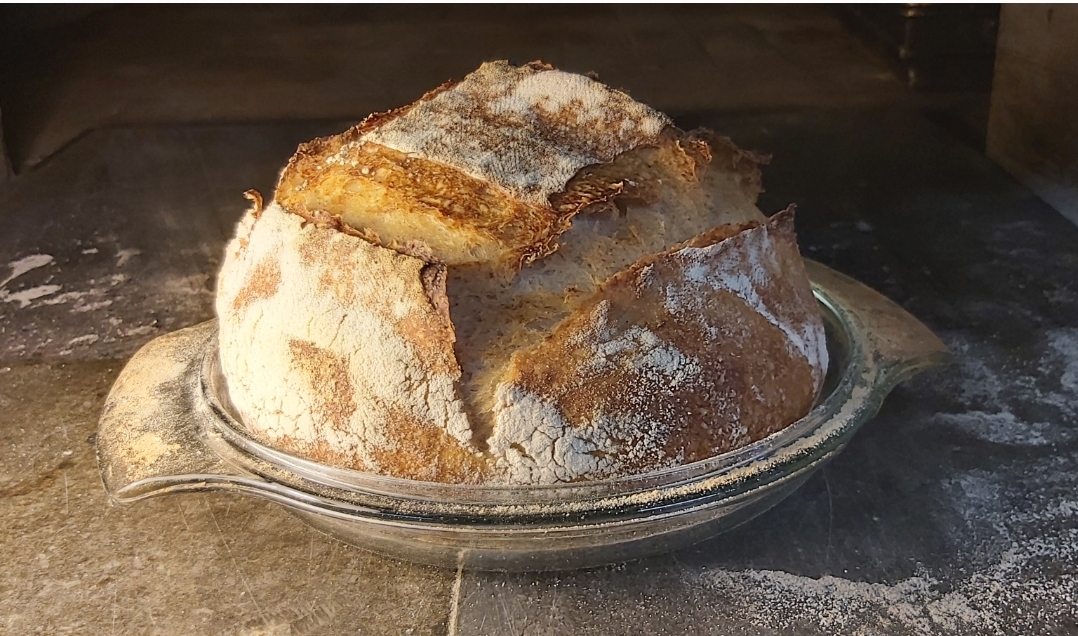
(168, 428)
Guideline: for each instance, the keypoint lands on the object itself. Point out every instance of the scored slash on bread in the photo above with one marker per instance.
(524, 277)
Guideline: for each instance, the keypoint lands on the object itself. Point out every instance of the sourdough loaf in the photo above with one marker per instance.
(524, 277)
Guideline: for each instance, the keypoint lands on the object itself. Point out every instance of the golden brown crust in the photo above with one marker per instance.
(255, 197)
(639, 175)
(334, 401)
(317, 146)
(422, 452)
(427, 453)
(724, 155)
(262, 283)
(483, 198)
(520, 232)
(673, 358)
(523, 232)
(692, 350)
(325, 178)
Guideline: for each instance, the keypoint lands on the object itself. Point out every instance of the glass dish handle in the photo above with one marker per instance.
(899, 343)
(150, 440)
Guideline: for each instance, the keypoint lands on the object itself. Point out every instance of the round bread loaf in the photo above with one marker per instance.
(525, 277)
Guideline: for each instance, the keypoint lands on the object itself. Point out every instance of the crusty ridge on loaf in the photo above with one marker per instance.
(470, 167)
(648, 199)
(546, 281)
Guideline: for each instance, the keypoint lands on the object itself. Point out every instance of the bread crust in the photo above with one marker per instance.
(341, 350)
(480, 158)
(527, 129)
(687, 354)
(337, 332)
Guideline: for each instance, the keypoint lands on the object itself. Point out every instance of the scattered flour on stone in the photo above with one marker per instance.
(27, 296)
(26, 264)
(123, 256)
(19, 267)
(1022, 574)
(1030, 585)
(1005, 403)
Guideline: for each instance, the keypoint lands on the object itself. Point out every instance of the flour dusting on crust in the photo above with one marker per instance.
(747, 272)
(622, 304)
(341, 350)
(333, 348)
(528, 129)
(534, 440)
(699, 351)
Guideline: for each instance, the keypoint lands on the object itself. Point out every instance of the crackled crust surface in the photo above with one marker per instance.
(524, 277)
(528, 129)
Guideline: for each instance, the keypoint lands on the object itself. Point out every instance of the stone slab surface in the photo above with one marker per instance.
(118, 240)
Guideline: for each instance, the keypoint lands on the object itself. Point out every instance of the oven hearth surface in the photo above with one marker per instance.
(953, 511)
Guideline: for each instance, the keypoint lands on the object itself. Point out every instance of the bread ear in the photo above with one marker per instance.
(470, 168)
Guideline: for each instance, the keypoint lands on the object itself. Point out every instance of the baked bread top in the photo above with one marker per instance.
(524, 277)
(472, 165)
